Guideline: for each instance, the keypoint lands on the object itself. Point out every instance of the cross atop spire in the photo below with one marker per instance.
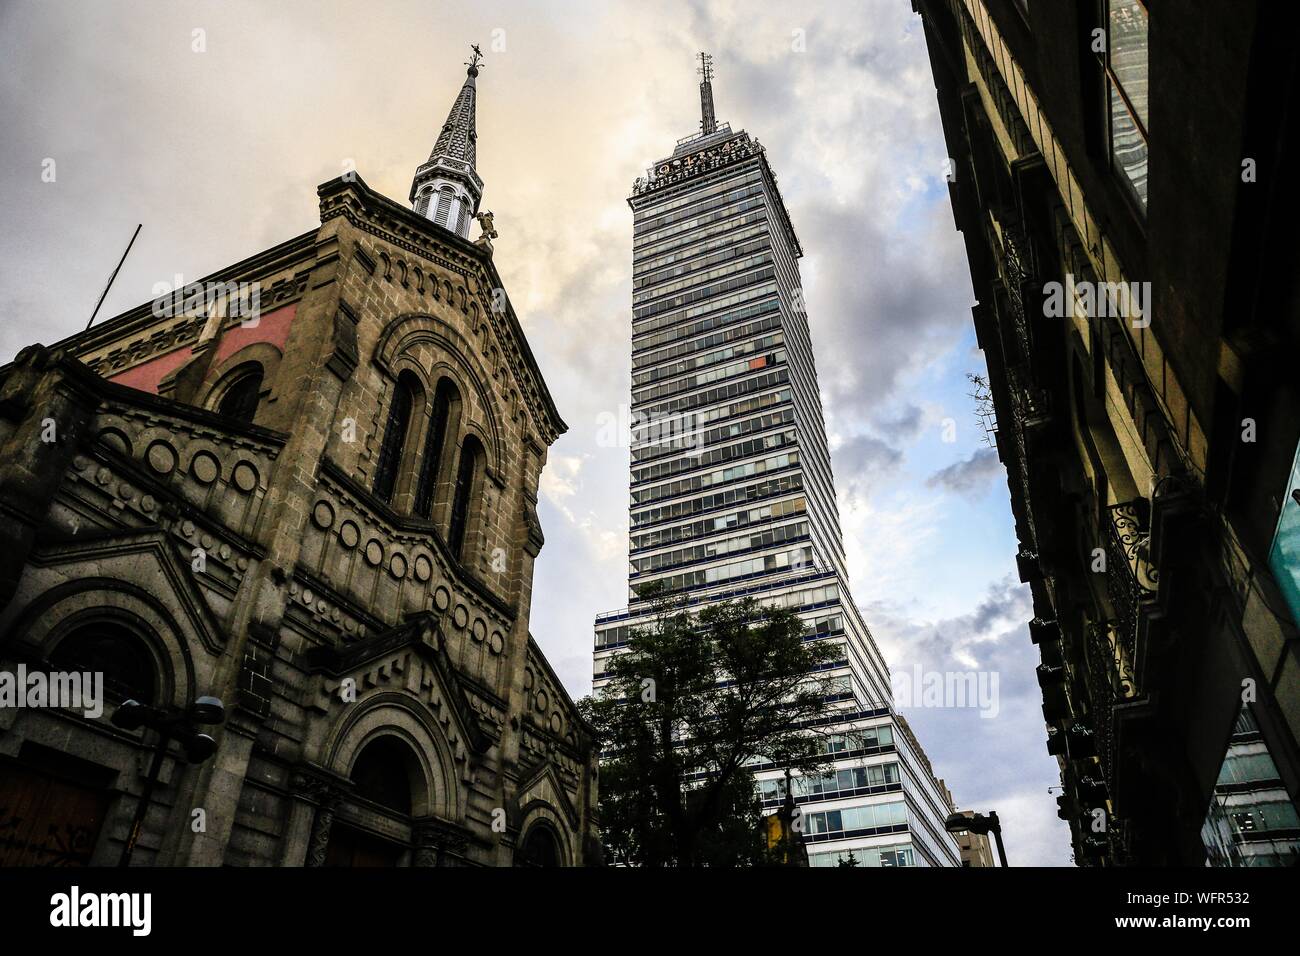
(708, 120)
(473, 62)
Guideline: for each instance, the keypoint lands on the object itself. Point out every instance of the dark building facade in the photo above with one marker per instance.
(307, 486)
(1119, 172)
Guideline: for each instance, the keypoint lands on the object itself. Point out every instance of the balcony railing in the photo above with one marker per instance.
(1110, 682)
(1131, 579)
(1029, 412)
(1016, 268)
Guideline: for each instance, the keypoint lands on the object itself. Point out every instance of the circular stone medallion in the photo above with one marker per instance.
(397, 566)
(205, 468)
(323, 515)
(245, 477)
(161, 457)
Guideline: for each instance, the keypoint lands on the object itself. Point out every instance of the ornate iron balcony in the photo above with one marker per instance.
(1016, 270)
(1110, 682)
(1131, 579)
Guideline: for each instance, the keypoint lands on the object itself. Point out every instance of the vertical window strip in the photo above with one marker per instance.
(433, 446)
(444, 206)
(461, 501)
(390, 452)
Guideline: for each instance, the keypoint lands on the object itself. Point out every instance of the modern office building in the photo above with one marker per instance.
(1119, 172)
(731, 486)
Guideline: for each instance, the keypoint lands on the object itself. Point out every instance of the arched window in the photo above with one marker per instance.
(539, 848)
(471, 453)
(240, 398)
(445, 197)
(422, 202)
(381, 774)
(115, 651)
(445, 397)
(462, 219)
(399, 423)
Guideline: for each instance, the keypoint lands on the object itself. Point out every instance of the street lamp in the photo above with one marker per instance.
(978, 823)
(171, 723)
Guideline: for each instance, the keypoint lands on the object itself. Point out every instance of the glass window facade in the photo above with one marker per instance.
(1251, 820)
(1125, 61)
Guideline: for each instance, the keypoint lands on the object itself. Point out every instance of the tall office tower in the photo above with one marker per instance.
(731, 487)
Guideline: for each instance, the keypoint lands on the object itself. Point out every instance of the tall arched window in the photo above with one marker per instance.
(445, 397)
(462, 219)
(539, 848)
(445, 197)
(381, 774)
(422, 202)
(115, 651)
(240, 398)
(471, 453)
(399, 423)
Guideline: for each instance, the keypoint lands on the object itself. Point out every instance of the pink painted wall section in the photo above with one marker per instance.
(147, 375)
(272, 327)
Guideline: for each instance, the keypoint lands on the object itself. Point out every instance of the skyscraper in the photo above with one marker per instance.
(731, 486)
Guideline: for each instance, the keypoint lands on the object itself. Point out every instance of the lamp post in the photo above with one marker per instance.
(171, 723)
(978, 823)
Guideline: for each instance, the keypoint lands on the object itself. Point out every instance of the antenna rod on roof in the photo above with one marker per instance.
(112, 277)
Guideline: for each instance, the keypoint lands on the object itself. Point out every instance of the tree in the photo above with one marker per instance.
(692, 703)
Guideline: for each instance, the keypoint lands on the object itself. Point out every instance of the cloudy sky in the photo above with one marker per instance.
(218, 152)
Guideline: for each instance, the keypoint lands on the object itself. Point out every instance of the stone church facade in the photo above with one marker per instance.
(321, 510)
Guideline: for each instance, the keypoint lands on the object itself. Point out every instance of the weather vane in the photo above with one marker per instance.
(473, 62)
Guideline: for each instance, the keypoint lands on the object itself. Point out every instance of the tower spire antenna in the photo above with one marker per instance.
(708, 119)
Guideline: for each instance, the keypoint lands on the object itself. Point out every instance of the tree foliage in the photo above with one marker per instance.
(691, 705)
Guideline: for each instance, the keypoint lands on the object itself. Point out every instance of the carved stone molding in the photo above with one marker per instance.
(436, 840)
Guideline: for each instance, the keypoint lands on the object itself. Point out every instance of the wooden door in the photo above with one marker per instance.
(47, 821)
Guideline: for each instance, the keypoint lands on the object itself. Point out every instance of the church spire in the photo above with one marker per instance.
(708, 120)
(447, 188)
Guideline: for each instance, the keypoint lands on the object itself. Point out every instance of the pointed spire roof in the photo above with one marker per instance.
(447, 188)
(458, 136)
